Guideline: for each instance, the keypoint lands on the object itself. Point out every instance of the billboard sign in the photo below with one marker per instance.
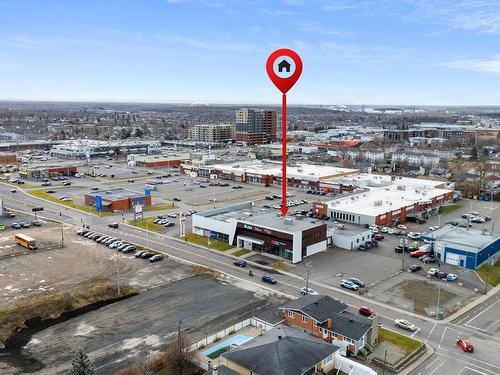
(98, 203)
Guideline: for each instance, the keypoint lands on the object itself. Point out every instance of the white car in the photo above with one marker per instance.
(375, 230)
(405, 324)
(434, 227)
(305, 291)
(403, 227)
(276, 206)
(172, 216)
(432, 271)
(384, 230)
(391, 231)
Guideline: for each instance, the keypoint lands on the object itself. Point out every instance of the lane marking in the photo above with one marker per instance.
(430, 333)
(430, 364)
(437, 368)
(482, 312)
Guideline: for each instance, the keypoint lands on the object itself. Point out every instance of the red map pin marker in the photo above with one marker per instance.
(284, 68)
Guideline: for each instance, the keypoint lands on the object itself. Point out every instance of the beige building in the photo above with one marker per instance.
(212, 132)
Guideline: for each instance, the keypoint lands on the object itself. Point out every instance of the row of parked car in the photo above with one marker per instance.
(116, 243)
(352, 284)
(25, 224)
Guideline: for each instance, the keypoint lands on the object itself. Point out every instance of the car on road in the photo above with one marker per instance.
(15, 226)
(13, 190)
(366, 311)
(240, 263)
(50, 191)
(24, 224)
(175, 199)
(405, 324)
(305, 291)
(391, 231)
(113, 225)
(373, 243)
(169, 224)
(47, 183)
(268, 279)
(403, 227)
(95, 188)
(414, 268)
(357, 281)
(348, 285)
(414, 235)
(465, 345)
(269, 197)
(451, 277)
(156, 258)
(433, 271)
(478, 219)
(66, 183)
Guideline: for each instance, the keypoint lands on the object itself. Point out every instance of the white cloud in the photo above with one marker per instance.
(490, 65)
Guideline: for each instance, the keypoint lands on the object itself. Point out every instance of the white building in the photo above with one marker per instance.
(351, 153)
(413, 158)
(81, 149)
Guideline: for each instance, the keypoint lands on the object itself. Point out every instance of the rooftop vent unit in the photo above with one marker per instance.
(288, 221)
(248, 213)
(377, 203)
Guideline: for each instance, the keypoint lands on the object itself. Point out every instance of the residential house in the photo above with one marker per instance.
(283, 350)
(413, 158)
(331, 320)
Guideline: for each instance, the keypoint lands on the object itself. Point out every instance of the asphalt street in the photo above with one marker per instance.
(480, 325)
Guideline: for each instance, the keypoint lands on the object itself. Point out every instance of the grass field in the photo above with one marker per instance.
(240, 252)
(52, 305)
(41, 193)
(203, 241)
(159, 207)
(147, 223)
(405, 343)
(443, 210)
(490, 274)
(424, 295)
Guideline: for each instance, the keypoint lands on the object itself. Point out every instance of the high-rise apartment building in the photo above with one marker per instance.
(255, 126)
(212, 132)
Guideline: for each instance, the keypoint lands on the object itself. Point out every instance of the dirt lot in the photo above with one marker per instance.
(111, 335)
(79, 260)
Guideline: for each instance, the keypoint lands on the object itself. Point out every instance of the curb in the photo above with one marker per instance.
(471, 305)
(427, 354)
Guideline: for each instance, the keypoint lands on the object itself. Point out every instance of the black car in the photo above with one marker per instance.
(441, 275)
(362, 247)
(414, 268)
(269, 198)
(139, 254)
(50, 191)
(15, 226)
(357, 281)
(24, 224)
(176, 199)
(268, 279)
(374, 243)
(113, 225)
(95, 188)
(147, 255)
(240, 263)
(429, 259)
(156, 258)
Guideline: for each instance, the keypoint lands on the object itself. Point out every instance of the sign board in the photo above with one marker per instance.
(147, 191)
(213, 234)
(37, 209)
(138, 211)
(98, 203)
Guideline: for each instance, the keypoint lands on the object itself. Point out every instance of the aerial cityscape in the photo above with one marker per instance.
(224, 187)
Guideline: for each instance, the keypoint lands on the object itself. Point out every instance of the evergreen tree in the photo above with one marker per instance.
(81, 365)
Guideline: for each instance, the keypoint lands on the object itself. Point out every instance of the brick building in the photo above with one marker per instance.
(117, 199)
(255, 126)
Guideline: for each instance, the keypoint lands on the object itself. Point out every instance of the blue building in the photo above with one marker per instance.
(464, 248)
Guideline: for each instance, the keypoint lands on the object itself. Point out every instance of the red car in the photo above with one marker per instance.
(465, 345)
(366, 311)
(378, 237)
(418, 253)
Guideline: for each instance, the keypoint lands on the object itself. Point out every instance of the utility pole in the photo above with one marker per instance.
(307, 281)
(439, 297)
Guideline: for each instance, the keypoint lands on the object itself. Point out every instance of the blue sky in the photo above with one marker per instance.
(444, 52)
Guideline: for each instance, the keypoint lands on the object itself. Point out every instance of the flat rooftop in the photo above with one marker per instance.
(346, 229)
(462, 239)
(300, 170)
(381, 194)
(116, 193)
(260, 216)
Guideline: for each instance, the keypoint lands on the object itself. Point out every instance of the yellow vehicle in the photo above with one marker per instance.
(26, 241)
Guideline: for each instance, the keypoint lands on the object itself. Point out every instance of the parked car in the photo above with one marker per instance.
(13, 190)
(169, 224)
(66, 183)
(433, 271)
(15, 226)
(156, 258)
(366, 311)
(82, 231)
(24, 224)
(405, 324)
(441, 275)
(139, 254)
(384, 230)
(414, 268)
(305, 291)
(451, 277)
(128, 249)
(373, 243)
(478, 219)
(113, 225)
(419, 253)
(95, 188)
(348, 285)
(434, 227)
(403, 227)
(465, 345)
(240, 263)
(429, 259)
(357, 281)
(362, 247)
(147, 255)
(48, 183)
(175, 199)
(268, 279)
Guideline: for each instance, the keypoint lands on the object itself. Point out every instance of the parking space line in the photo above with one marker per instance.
(437, 368)
(442, 337)
(430, 364)
(471, 369)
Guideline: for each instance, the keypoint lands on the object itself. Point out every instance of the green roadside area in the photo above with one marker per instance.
(52, 305)
(147, 223)
(203, 241)
(41, 193)
(490, 273)
(405, 343)
(159, 207)
(240, 252)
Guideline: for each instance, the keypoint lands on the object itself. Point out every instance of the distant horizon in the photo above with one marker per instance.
(238, 104)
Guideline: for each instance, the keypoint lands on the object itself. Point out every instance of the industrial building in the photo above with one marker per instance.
(383, 200)
(117, 199)
(299, 175)
(86, 149)
(462, 247)
(348, 236)
(212, 132)
(255, 126)
(158, 161)
(260, 229)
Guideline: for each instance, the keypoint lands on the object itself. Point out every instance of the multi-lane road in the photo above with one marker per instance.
(481, 324)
